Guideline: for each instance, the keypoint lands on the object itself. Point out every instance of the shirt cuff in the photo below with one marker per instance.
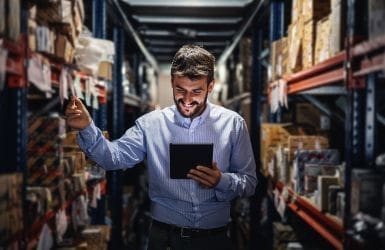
(224, 183)
(87, 136)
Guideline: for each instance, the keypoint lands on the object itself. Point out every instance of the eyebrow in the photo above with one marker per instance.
(179, 87)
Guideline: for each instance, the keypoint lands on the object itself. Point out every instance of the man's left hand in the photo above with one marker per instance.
(206, 176)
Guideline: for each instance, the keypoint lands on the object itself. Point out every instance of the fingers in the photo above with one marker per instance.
(208, 177)
(77, 114)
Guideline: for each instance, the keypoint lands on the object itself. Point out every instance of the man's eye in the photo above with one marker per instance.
(197, 92)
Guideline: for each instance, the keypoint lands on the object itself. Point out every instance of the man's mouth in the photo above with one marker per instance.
(187, 105)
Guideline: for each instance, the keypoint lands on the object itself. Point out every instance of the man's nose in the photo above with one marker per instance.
(187, 98)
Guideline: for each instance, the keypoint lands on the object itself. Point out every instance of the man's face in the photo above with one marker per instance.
(190, 96)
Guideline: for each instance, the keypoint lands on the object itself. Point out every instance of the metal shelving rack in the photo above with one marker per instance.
(355, 69)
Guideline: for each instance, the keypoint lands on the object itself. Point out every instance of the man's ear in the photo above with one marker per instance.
(210, 87)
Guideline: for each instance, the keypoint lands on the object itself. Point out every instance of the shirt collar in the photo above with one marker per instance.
(187, 122)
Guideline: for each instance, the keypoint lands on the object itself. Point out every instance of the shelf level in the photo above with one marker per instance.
(329, 229)
(370, 56)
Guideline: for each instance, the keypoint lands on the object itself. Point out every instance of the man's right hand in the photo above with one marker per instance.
(77, 114)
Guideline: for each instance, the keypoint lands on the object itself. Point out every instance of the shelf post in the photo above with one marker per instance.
(99, 31)
(370, 126)
(114, 178)
(276, 26)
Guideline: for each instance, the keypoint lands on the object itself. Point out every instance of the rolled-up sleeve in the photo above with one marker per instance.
(122, 153)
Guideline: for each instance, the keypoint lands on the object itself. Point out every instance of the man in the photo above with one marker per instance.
(189, 213)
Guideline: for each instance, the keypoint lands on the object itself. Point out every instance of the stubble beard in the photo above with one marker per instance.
(195, 110)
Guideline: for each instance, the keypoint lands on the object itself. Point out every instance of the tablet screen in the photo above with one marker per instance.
(184, 157)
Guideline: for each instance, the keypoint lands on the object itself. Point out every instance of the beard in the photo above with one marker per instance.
(192, 109)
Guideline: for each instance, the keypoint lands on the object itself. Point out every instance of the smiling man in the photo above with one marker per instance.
(190, 213)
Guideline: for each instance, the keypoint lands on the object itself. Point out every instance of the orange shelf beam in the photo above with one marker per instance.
(323, 79)
(367, 47)
(329, 229)
(325, 73)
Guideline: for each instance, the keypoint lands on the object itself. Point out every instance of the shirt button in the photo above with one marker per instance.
(195, 209)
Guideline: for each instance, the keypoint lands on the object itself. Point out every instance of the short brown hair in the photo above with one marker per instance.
(193, 62)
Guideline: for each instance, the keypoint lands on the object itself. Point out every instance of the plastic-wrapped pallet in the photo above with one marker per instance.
(91, 52)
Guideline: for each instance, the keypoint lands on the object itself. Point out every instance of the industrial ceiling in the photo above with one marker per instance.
(162, 26)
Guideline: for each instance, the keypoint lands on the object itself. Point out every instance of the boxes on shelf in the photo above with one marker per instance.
(32, 43)
(55, 12)
(296, 10)
(332, 198)
(322, 44)
(323, 184)
(105, 70)
(96, 236)
(312, 173)
(282, 235)
(45, 134)
(64, 49)
(295, 32)
(340, 204)
(376, 18)
(305, 142)
(13, 19)
(303, 157)
(314, 9)
(279, 57)
(271, 137)
(308, 115)
(337, 26)
(308, 43)
(43, 164)
(366, 188)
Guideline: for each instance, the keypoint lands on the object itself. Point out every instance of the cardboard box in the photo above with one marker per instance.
(55, 12)
(13, 25)
(308, 115)
(32, 25)
(337, 26)
(322, 50)
(279, 56)
(305, 142)
(376, 18)
(308, 43)
(295, 33)
(296, 10)
(105, 71)
(64, 49)
(315, 9)
(323, 184)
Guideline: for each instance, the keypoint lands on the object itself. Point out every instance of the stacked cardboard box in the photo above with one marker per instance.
(312, 11)
(283, 234)
(11, 219)
(337, 26)
(10, 19)
(55, 26)
(279, 58)
(322, 46)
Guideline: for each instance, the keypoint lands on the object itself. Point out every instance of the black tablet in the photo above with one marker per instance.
(184, 157)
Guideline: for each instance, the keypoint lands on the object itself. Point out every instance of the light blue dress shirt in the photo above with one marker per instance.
(182, 202)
